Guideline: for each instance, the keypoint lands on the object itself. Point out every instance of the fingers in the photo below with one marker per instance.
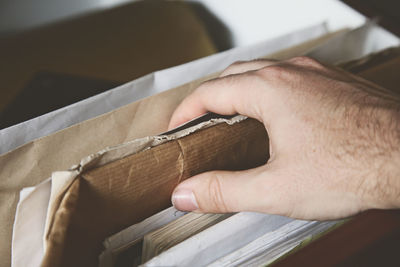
(229, 95)
(216, 191)
(225, 95)
(258, 189)
(267, 189)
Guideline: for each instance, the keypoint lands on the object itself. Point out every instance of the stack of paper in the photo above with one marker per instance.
(252, 239)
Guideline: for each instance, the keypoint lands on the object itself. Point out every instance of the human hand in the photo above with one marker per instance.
(334, 142)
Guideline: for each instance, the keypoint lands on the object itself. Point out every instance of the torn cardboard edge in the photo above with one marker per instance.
(62, 180)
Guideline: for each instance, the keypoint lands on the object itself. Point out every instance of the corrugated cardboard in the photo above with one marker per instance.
(108, 199)
(105, 199)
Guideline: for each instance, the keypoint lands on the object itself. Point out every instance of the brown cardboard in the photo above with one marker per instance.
(107, 199)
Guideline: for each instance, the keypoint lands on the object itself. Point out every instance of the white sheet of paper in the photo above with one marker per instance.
(269, 247)
(28, 229)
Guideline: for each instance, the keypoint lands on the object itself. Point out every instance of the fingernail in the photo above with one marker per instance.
(184, 199)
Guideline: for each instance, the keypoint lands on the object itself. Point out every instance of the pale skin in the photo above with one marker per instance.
(334, 142)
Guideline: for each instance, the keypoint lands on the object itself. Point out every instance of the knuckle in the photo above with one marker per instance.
(232, 68)
(216, 195)
(305, 61)
(204, 85)
(273, 72)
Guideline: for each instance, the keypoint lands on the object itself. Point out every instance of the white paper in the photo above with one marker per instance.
(361, 42)
(28, 229)
(220, 239)
(269, 247)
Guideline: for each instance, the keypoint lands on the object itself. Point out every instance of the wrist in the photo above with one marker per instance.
(385, 171)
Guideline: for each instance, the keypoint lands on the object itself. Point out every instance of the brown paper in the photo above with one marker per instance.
(107, 199)
(32, 163)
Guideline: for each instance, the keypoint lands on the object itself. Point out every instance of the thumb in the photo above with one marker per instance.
(219, 192)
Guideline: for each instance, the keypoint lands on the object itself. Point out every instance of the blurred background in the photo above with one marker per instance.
(54, 53)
